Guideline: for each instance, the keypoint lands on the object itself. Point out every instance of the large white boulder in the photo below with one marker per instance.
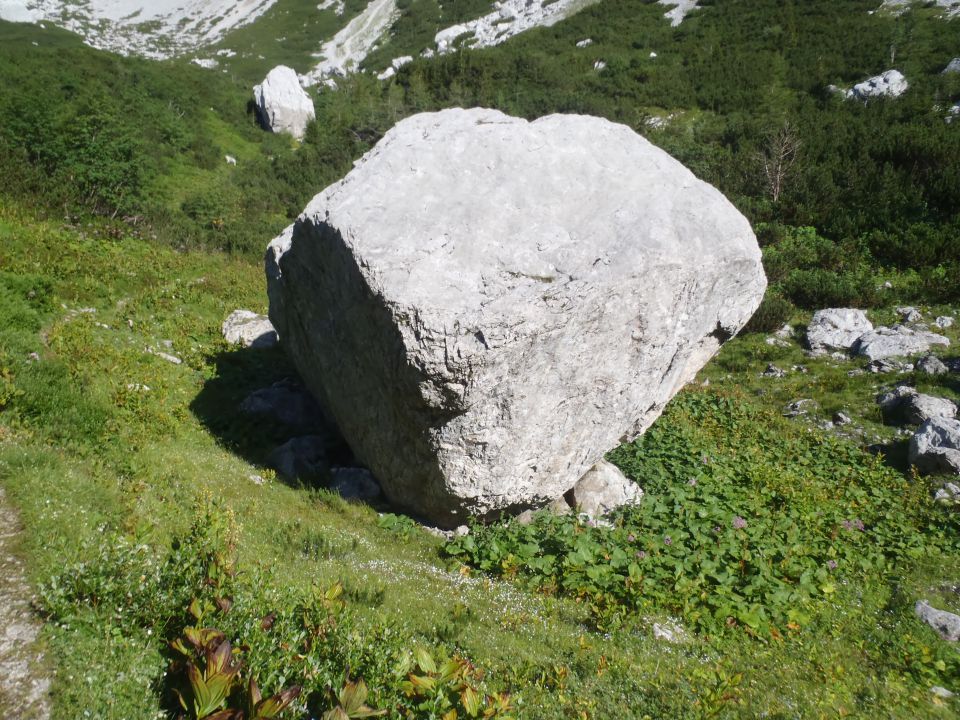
(891, 83)
(836, 329)
(283, 106)
(953, 66)
(487, 305)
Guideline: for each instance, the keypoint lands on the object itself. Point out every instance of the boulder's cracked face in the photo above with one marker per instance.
(488, 305)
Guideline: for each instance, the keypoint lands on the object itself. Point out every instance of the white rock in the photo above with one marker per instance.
(943, 322)
(230, 159)
(891, 83)
(208, 63)
(599, 65)
(586, 42)
(896, 341)
(283, 106)
(941, 692)
(932, 365)
(669, 631)
(249, 329)
(905, 404)
(949, 494)
(399, 62)
(603, 489)
(945, 623)
(836, 329)
(953, 66)
(521, 316)
(935, 447)
(345, 51)
(387, 74)
(909, 314)
(680, 10)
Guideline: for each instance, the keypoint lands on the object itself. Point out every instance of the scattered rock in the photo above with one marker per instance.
(799, 408)
(905, 404)
(885, 366)
(230, 159)
(952, 67)
(282, 105)
(285, 402)
(841, 418)
(909, 314)
(941, 692)
(669, 631)
(785, 332)
(599, 65)
(802, 369)
(896, 341)
(386, 74)
(256, 479)
(603, 489)
(943, 322)
(891, 83)
(165, 356)
(932, 365)
(586, 42)
(354, 483)
(945, 623)
(949, 494)
(777, 342)
(434, 346)
(935, 447)
(836, 329)
(302, 458)
(524, 518)
(773, 371)
(856, 372)
(249, 329)
(399, 62)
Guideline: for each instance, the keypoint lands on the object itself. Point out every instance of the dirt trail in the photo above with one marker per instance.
(24, 684)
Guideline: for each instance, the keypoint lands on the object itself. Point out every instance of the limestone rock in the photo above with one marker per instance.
(485, 313)
(283, 106)
(905, 404)
(932, 365)
(943, 322)
(935, 447)
(945, 623)
(604, 489)
(953, 66)
(896, 341)
(909, 314)
(891, 83)
(249, 329)
(836, 329)
(302, 458)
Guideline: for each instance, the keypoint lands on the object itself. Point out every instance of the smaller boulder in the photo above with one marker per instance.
(943, 322)
(841, 418)
(249, 329)
(887, 366)
(836, 329)
(353, 483)
(952, 67)
(945, 623)
(909, 314)
(286, 402)
(896, 341)
(905, 404)
(773, 371)
(932, 365)
(603, 489)
(282, 105)
(949, 494)
(302, 458)
(935, 447)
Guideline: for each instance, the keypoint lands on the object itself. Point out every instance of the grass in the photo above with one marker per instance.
(95, 466)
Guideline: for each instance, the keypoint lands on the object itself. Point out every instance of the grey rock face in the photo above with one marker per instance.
(604, 489)
(945, 623)
(896, 341)
(485, 313)
(935, 447)
(909, 314)
(249, 329)
(943, 322)
(905, 404)
(283, 106)
(836, 329)
(932, 365)
(949, 494)
(953, 66)
(886, 365)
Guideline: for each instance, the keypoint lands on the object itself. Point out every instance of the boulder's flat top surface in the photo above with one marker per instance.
(484, 205)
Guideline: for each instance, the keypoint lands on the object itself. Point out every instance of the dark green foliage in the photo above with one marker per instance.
(774, 311)
(747, 522)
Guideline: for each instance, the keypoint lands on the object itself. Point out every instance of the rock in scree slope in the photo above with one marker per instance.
(487, 305)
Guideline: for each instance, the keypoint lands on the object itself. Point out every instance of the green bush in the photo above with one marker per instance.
(774, 311)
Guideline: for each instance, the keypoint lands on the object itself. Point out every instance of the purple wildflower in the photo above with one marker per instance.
(667, 540)
(717, 529)
(858, 524)
(739, 523)
(641, 554)
(692, 482)
(631, 538)
(847, 525)
(831, 564)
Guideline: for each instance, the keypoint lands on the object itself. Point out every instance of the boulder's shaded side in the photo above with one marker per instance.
(487, 305)
(282, 105)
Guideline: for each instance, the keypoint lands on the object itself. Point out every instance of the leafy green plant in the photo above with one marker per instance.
(448, 690)
(352, 703)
